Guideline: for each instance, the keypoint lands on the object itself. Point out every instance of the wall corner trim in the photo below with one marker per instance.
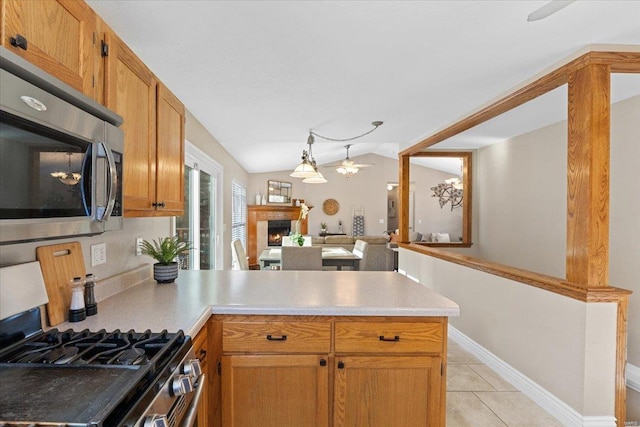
(633, 377)
(550, 403)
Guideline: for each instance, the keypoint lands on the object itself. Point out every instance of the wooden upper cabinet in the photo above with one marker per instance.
(153, 134)
(131, 92)
(169, 154)
(55, 35)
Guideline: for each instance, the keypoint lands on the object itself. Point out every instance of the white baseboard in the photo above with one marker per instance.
(633, 377)
(550, 403)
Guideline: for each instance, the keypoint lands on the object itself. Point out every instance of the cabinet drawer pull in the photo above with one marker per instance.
(323, 362)
(394, 339)
(203, 355)
(19, 41)
(340, 365)
(277, 338)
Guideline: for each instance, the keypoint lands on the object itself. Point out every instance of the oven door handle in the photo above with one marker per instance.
(192, 412)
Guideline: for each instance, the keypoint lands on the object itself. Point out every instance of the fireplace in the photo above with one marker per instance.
(276, 229)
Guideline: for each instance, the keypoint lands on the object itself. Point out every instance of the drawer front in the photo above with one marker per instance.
(388, 337)
(276, 337)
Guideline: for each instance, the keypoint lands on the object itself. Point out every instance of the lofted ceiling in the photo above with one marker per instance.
(260, 74)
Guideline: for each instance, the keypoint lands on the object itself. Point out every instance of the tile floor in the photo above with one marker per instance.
(478, 397)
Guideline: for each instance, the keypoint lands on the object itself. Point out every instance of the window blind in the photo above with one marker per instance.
(239, 213)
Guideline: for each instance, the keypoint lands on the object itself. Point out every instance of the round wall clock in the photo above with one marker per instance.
(330, 207)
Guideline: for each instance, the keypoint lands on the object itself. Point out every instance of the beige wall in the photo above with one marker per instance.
(202, 139)
(520, 207)
(120, 245)
(564, 345)
(368, 188)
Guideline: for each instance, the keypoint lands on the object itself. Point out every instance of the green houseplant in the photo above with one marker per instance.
(165, 251)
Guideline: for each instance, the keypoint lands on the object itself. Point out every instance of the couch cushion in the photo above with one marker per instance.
(317, 240)
(338, 240)
(375, 240)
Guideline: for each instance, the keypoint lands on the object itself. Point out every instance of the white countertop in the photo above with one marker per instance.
(187, 303)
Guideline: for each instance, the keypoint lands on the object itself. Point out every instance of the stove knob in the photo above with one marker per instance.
(181, 385)
(192, 368)
(156, 420)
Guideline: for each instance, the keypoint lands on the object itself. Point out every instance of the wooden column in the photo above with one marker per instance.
(588, 177)
(403, 196)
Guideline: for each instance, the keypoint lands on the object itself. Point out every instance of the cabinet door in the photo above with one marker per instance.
(59, 38)
(132, 94)
(170, 154)
(382, 391)
(275, 391)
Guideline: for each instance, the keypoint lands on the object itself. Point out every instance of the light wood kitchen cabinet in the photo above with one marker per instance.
(58, 36)
(275, 390)
(153, 134)
(169, 154)
(333, 371)
(382, 391)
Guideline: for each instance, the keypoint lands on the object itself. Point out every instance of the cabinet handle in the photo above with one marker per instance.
(203, 354)
(323, 362)
(158, 205)
(19, 41)
(394, 339)
(340, 365)
(276, 338)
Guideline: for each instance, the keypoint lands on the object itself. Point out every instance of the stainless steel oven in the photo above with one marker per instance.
(85, 378)
(61, 158)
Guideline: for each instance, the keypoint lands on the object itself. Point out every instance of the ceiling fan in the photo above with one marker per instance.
(548, 9)
(348, 167)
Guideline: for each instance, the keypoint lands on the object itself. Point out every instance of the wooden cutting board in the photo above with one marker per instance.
(60, 264)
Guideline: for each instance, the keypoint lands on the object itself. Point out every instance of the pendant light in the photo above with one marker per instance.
(307, 169)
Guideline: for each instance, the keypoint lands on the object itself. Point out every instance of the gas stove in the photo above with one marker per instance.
(95, 378)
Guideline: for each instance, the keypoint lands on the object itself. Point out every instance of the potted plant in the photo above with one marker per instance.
(165, 251)
(323, 228)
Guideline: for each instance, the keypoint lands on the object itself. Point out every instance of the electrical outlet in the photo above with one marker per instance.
(138, 248)
(98, 254)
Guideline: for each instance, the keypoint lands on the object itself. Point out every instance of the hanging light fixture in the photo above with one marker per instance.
(348, 167)
(68, 177)
(307, 169)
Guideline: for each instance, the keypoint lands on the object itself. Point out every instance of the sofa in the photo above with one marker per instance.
(379, 255)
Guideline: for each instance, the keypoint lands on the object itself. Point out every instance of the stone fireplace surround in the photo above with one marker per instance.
(258, 217)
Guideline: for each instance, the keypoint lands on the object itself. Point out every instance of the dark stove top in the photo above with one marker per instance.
(90, 348)
(84, 378)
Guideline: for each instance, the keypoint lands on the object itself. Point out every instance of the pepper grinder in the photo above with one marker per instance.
(89, 295)
(77, 311)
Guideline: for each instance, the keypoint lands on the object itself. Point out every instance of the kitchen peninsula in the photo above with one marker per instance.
(314, 348)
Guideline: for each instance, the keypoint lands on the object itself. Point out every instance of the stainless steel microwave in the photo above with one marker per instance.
(60, 164)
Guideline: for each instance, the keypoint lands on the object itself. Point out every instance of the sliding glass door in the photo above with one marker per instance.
(202, 214)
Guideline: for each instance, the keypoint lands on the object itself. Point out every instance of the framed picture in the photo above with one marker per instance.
(279, 192)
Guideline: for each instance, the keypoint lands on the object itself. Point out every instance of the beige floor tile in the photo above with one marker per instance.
(463, 378)
(517, 410)
(465, 409)
(457, 355)
(493, 378)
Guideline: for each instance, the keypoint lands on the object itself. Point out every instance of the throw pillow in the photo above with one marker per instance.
(443, 238)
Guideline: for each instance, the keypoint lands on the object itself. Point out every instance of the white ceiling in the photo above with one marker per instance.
(259, 74)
